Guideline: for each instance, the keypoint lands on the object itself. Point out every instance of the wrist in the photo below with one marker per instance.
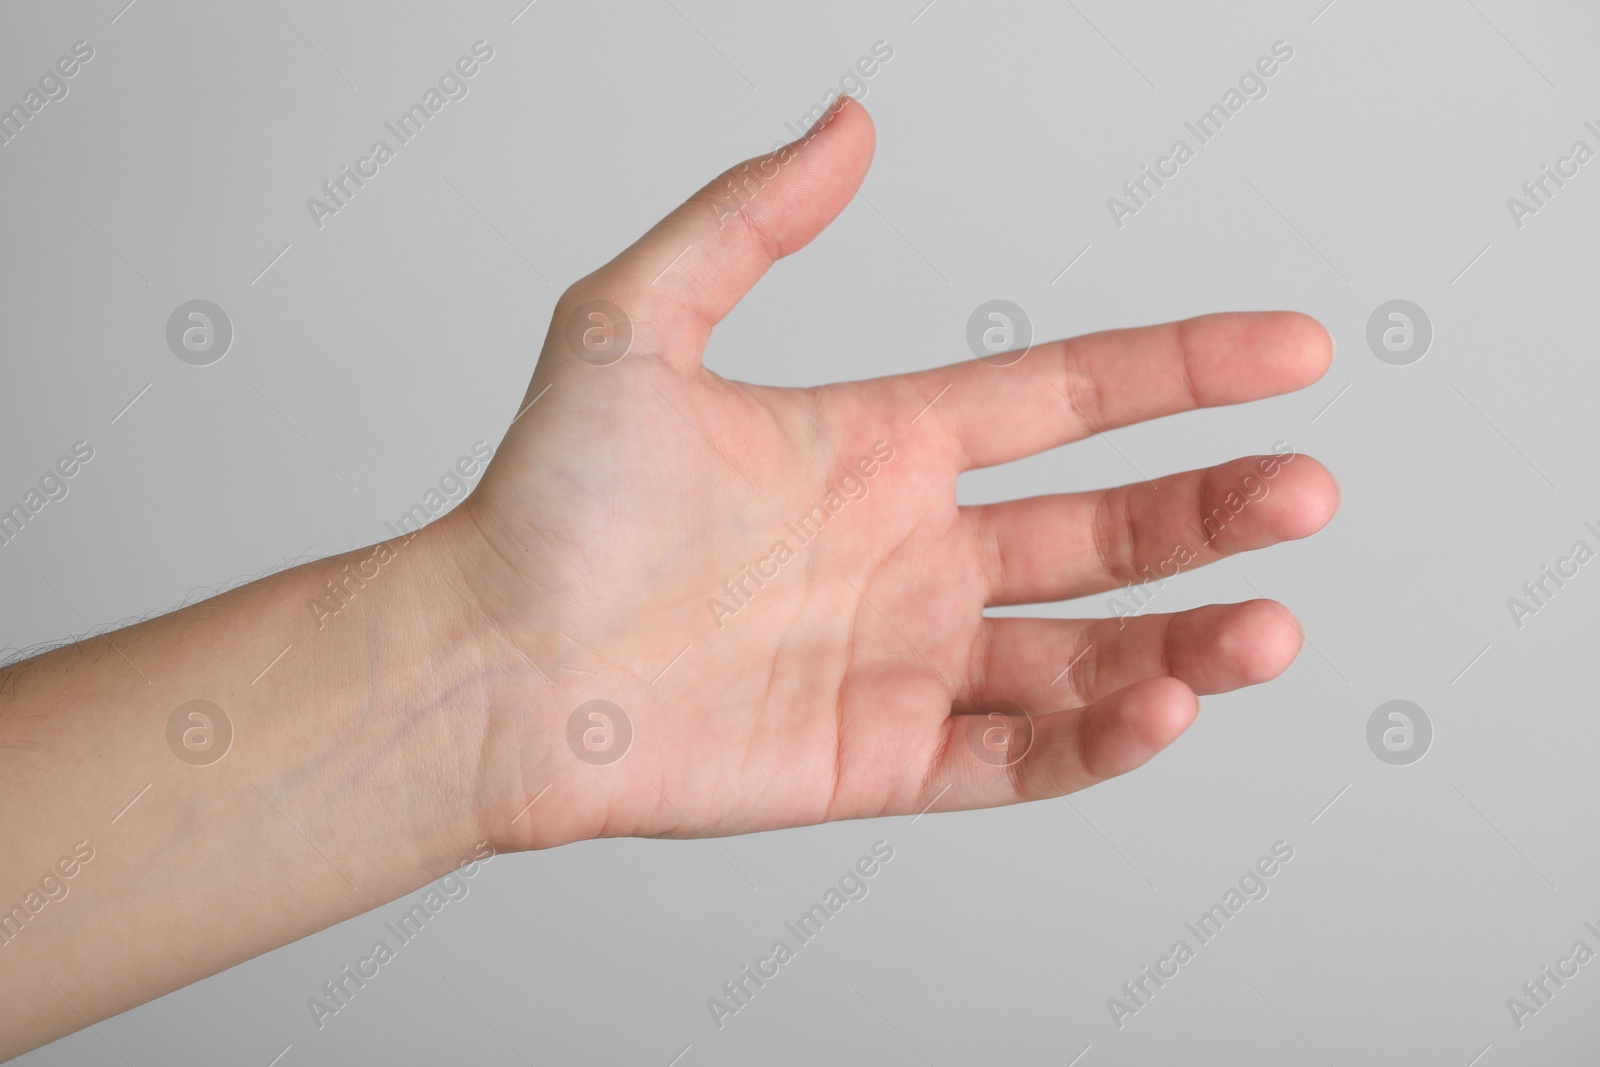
(387, 665)
(558, 691)
(500, 680)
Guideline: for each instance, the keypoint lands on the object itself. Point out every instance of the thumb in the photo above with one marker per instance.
(688, 272)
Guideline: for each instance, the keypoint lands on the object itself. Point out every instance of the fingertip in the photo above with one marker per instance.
(842, 140)
(817, 175)
(1262, 642)
(692, 267)
(852, 111)
(1323, 504)
(1249, 355)
(1307, 344)
(1131, 726)
(1164, 710)
(1308, 498)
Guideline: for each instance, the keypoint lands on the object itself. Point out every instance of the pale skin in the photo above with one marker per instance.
(428, 715)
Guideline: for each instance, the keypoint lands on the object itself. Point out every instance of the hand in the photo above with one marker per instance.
(774, 589)
(649, 518)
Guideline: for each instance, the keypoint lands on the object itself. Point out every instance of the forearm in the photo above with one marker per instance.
(350, 778)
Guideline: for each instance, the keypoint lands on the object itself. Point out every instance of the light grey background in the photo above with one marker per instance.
(374, 351)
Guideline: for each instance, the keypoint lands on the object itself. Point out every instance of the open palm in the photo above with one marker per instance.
(775, 592)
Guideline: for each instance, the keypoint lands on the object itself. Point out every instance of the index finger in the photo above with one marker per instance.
(1067, 390)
